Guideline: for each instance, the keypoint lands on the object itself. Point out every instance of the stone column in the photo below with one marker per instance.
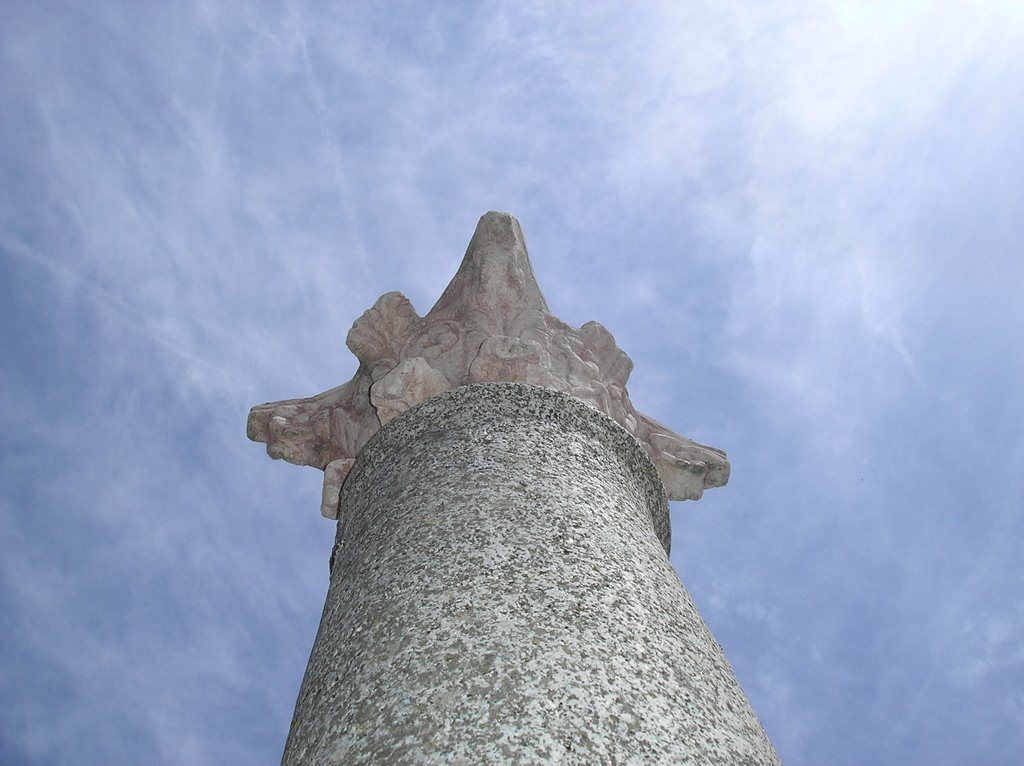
(500, 587)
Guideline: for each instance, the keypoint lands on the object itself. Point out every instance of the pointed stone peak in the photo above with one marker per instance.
(491, 325)
(495, 277)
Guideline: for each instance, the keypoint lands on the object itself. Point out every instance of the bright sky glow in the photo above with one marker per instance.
(802, 220)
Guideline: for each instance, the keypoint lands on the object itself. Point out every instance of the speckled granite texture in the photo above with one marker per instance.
(500, 594)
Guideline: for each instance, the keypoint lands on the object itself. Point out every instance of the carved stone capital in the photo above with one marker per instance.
(491, 324)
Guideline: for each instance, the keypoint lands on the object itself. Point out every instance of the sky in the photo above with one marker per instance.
(802, 220)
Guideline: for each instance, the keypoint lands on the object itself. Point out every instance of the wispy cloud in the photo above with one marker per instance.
(799, 219)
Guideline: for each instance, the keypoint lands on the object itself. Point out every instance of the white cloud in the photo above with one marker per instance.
(753, 199)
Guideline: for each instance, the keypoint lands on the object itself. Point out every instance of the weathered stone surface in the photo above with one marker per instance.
(491, 324)
(500, 594)
(334, 478)
(411, 381)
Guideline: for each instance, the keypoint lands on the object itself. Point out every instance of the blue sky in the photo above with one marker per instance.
(802, 220)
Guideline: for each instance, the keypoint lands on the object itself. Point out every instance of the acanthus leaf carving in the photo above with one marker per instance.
(411, 381)
(491, 324)
(383, 329)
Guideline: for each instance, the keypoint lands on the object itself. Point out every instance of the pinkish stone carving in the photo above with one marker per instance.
(491, 324)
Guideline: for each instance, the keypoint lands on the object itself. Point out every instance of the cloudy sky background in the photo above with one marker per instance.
(803, 221)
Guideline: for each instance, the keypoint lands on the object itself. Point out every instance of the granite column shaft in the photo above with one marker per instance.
(501, 593)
